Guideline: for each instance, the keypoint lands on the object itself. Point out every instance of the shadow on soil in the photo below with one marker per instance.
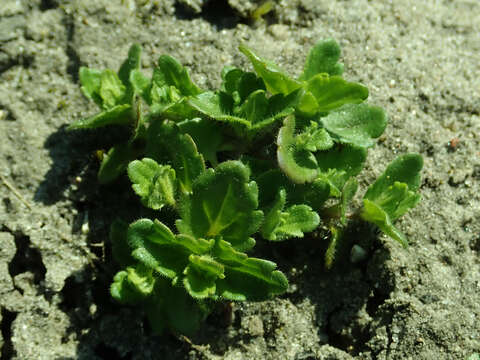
(345, 298)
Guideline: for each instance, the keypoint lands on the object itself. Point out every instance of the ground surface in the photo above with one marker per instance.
(421, 63)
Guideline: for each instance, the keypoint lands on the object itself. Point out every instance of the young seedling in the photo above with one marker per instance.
(264, 156)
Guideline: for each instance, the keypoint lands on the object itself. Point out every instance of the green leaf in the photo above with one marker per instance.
(356, 124)
(206, 135)
(293, 222)
(223, 202)
(131, 64)
(171, 73)
(298, 164)
(339, 164)
(132, 285)
(348, 192)
(155, 184)
(181, 149)
(276, 81)
(393, 194)
(115, 162)
(373, 213)
(256, 113)
(141, 85)
(112, 91)
(323, 58)
(155, 246)
(218, 106)
(247, 278)
(117, 115)
(405, 169)
(335, 239)
(313, 138)
(201, 275)
(91, 80)
(240, 84)
(324, 93)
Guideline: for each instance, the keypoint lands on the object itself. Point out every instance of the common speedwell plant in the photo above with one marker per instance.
(265, 156)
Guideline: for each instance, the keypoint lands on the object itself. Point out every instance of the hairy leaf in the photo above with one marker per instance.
(276, 81)
(117, 115)
(393, 194)
(181, 149)
(338, 164)
(256, 113)
(155, 184)
(133, 284)
(155, 246)
(356, 124)
(171, 73)
(116, 161)
(298, 164)
(247, 278)
(313, 138)
(91, 80)
(282, 224)
(223, 202)
(201, 275)
(323, 58)
(131, 64)
(331, 92)
(206, 135)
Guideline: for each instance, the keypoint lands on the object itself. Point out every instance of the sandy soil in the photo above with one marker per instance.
(421, 62)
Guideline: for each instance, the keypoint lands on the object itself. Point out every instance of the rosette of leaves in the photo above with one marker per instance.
(266, 155)
(204, 260)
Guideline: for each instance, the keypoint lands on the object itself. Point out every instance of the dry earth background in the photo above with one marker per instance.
(421, 62)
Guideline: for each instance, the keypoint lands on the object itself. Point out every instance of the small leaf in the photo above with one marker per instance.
(336, 235)
(117, 115)
(218, 106)
(356, 124)
(158, 248)
(247, 278)
(298, 164)
(122, 291)
(405, 169)
(181, 149)
(256, 113)
(115, 162)
(131, 64)
(323, 58)
(132, 285)
(91, 80)
(393, 194)
(155, 184)
(339, 164)
(240, 84)
(141, 85)
(112, 90)
(201, 275)
(171, 73)
(331, 92)
(293, 222)
(313, 138)
(373, 213)
(206, 135)
(276, 81)
(223, 202)
(348, 192)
